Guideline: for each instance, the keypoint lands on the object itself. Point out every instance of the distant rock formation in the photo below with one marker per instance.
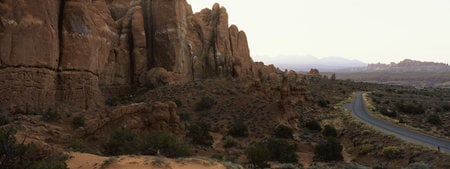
(72, 53)
(406, 65)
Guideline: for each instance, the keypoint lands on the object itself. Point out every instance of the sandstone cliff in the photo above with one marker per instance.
(73, 53)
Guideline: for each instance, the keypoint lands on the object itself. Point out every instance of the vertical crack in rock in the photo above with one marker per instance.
(131, 55)
(60, 32)
(148, 27)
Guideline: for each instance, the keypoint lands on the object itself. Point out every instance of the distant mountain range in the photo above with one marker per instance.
(306, 62)
(407, 73)
(406, 65)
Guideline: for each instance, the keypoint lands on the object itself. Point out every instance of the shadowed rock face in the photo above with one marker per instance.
(70, 54)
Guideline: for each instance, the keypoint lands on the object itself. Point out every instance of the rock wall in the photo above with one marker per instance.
(72, 53)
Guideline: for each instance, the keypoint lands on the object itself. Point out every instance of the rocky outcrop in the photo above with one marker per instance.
(71, 54)
(139, 117)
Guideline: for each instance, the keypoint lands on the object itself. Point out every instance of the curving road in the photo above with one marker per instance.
(360, 112)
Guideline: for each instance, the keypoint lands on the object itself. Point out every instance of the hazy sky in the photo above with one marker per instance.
(367, 30)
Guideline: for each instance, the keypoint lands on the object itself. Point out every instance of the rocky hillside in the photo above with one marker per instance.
(73, 54)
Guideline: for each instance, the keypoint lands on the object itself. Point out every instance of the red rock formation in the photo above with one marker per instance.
(70, 54)
(138, 116)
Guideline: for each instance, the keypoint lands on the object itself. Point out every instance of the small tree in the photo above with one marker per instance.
(313, 125)
(434, 119)
(51, 115)
(331, 150)
(205, 103)
(329, 131)
(122, 141)
(165, 144)
(258, 155)
(239, 129)
(283, 131)
(199, 133)
(282, 151)
(229, 142)
(78, 121)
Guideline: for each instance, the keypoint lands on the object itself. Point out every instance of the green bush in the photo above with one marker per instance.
(78, 121)
(198, 132)
(434, 119)
(111, 102)
(329, 131)
(313, 125)
(331, 150)
(205, 103)
(283, 131)
(178, 103)
(78, 146)
(4, 120)
(281, 151)
(258, 155)
(323, 103)
(51, 115)
(163, 143)
(18, 155)
(410, 108)
(123, 141)
(386, 112)
(229, 142)
(446, 107)
(365, 149)
(239, 129)
(392, 152)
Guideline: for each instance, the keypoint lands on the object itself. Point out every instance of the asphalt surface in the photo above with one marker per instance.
(359, 111)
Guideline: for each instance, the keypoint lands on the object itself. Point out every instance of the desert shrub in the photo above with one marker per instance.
(18, 155)
(229, 142)
(281, 151)
(329, 131)
(323, 103)
(178, 103)
(317, 167)
(283, 131)
(446, 107)
(239, 129)
(111, 102)
(434, 119)
(392, 152)
(198, 132)
(353, 166)
(51, 115)
(184, 116)
(165, 144)
(419, 165)
(386, 112)
(122, 141)
(78, 146)
(258, 155)
(313, 125)
(290, 166)
(331, 150)
(78, 121)
(410, 108)
(365, 149)
(3, 120)
(206, 103)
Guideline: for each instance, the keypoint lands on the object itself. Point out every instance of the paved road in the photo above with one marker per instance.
(359, 111)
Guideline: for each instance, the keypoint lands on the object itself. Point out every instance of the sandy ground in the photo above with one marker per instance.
(89, 161)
